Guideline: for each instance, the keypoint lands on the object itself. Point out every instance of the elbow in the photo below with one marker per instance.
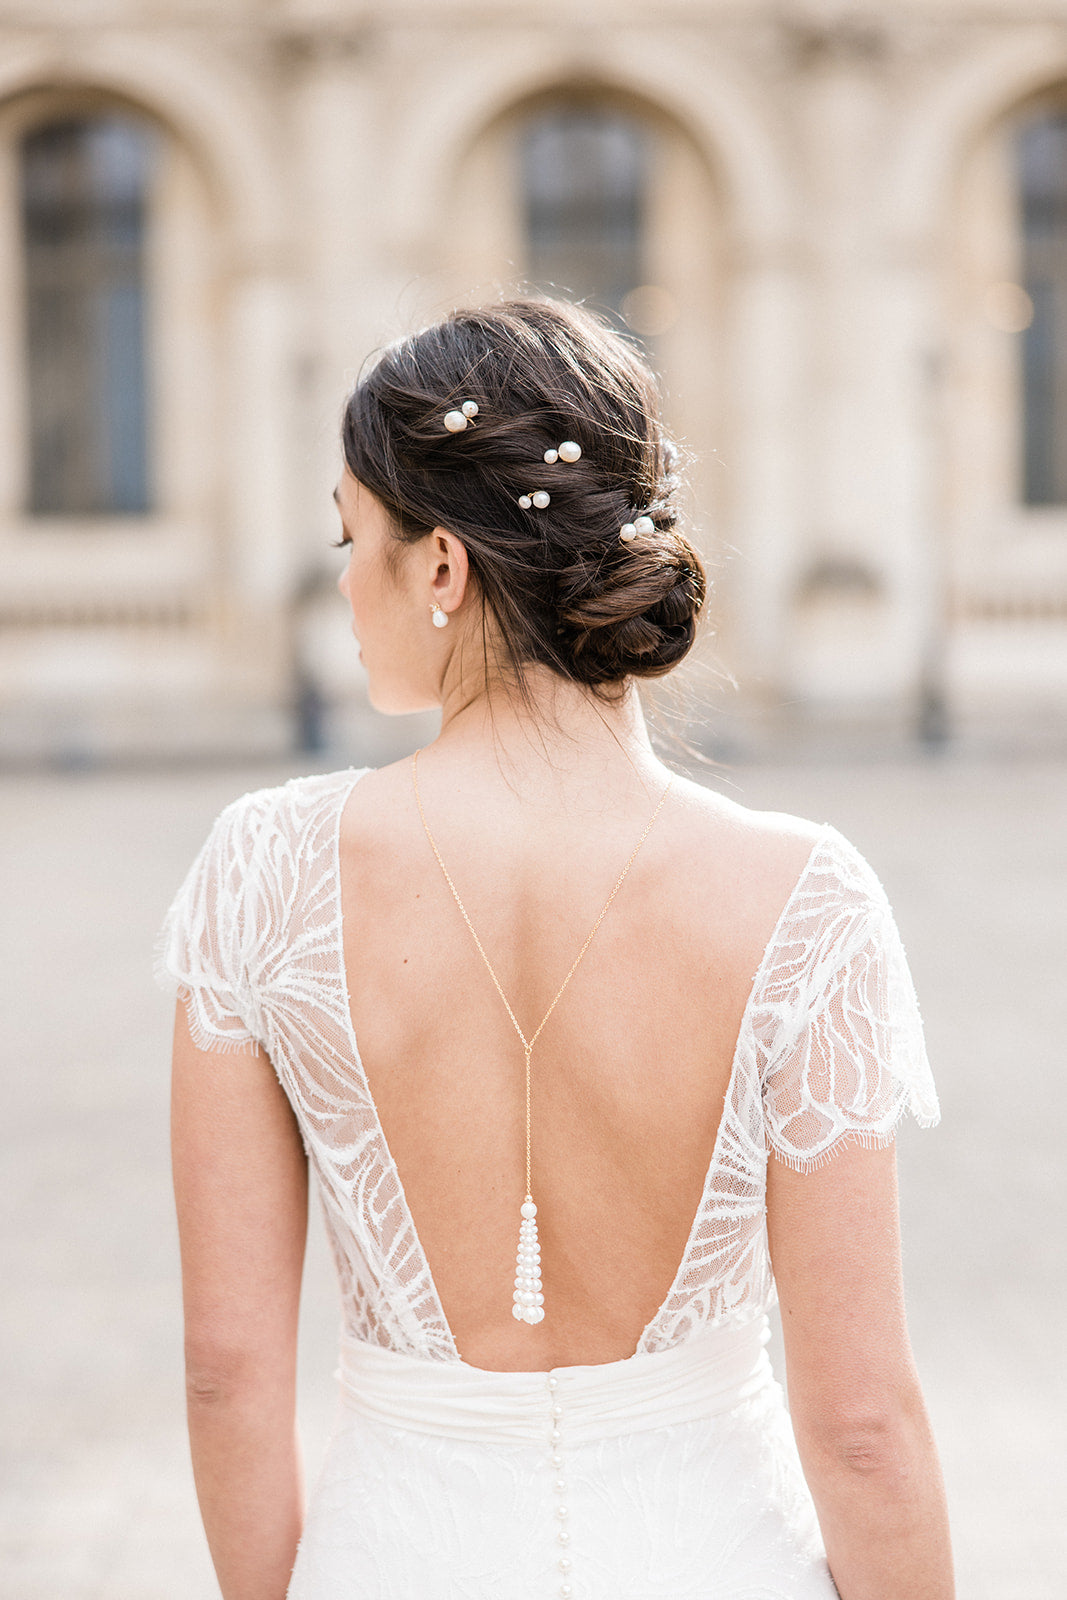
(213, 1377)
(876, 1447)
(217, 1375)
(879, 1447)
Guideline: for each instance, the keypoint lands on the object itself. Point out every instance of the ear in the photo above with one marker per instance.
(449, 570)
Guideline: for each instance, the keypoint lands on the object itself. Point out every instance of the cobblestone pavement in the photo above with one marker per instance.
(97, 1501)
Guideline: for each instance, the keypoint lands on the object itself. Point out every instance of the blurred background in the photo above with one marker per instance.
(840, 233)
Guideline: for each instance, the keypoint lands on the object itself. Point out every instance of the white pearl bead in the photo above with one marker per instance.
(440, 618)
(557, 1411)
(565, 1591)
(470, 408)
(528, 1209)
(562, 1513)
(628, 531)
(564, 1563)
(541, 499)
(555, 1436)
(535, 1314)
(551, 456)
(569, 451)
(539, 1298)
(557, 1459)
(516, 1312)
(644, 525)
(525, 502)
(455, 421)
(561, 1486)
(553, 1383)
(563, 1536)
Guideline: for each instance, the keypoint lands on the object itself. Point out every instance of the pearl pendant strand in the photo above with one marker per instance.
(528, 1301)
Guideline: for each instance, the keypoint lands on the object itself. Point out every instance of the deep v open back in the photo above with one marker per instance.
(437, 1479)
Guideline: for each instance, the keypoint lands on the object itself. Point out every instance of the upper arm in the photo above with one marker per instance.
(240, 1184)
(846, 1063)
(835, 1250)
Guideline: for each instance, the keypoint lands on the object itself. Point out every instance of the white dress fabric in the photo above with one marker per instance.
(670, 1474)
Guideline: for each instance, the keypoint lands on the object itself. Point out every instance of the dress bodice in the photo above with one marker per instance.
(830, 1048)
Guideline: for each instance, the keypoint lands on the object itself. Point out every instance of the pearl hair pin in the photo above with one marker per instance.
(630, 530)
(456, 421)
(540, 498)
(567, 451)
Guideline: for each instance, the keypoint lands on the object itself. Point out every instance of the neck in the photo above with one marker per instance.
(558, 730)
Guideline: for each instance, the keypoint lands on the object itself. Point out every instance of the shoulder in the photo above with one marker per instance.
(787, 883)
(780, 847)
(265, 825)
(747, 862)
(284, 804)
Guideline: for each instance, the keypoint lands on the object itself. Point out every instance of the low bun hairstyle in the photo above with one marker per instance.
(564, 589)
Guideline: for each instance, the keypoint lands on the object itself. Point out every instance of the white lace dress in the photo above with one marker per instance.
(670, 1474)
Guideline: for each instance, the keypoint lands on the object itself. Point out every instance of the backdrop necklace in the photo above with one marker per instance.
(528, 1299)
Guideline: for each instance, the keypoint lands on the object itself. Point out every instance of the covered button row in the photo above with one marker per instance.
(560, 1486)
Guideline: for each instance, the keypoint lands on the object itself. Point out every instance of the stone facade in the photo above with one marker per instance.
(830, 210)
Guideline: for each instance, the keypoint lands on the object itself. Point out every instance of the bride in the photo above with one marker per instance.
(587, 1063)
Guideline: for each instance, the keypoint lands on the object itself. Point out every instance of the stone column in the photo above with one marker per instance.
(764, 322)
(258, 517)
(860, 615)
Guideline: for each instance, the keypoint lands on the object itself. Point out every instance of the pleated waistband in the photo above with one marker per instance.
(711, 1372)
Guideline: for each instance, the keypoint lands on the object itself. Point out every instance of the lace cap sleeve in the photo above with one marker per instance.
(848, 1055)
(202, 950)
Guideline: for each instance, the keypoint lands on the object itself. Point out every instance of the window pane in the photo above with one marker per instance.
(84, 187)
(1042, 168)
(583, 177)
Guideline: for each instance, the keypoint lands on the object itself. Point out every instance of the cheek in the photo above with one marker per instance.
(376, 602)
(357, 587)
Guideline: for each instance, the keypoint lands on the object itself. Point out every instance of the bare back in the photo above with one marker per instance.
(630, 1074)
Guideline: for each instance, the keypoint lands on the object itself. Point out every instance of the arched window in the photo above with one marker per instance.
(584, 170)
(84, 185)
(1041, 154)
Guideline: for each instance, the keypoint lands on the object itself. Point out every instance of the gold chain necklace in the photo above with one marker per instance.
(528, 1299)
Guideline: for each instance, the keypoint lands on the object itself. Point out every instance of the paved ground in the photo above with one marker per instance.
(97, 1502)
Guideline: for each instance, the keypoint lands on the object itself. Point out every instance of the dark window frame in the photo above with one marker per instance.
(584, 172)
(84, 183)
(1041, 177)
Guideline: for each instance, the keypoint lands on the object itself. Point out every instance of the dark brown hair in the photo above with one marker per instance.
(564, 589)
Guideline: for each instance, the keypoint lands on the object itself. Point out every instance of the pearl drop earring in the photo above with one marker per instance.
(439, 618)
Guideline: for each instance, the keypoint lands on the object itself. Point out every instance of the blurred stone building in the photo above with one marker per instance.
(840, 231)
